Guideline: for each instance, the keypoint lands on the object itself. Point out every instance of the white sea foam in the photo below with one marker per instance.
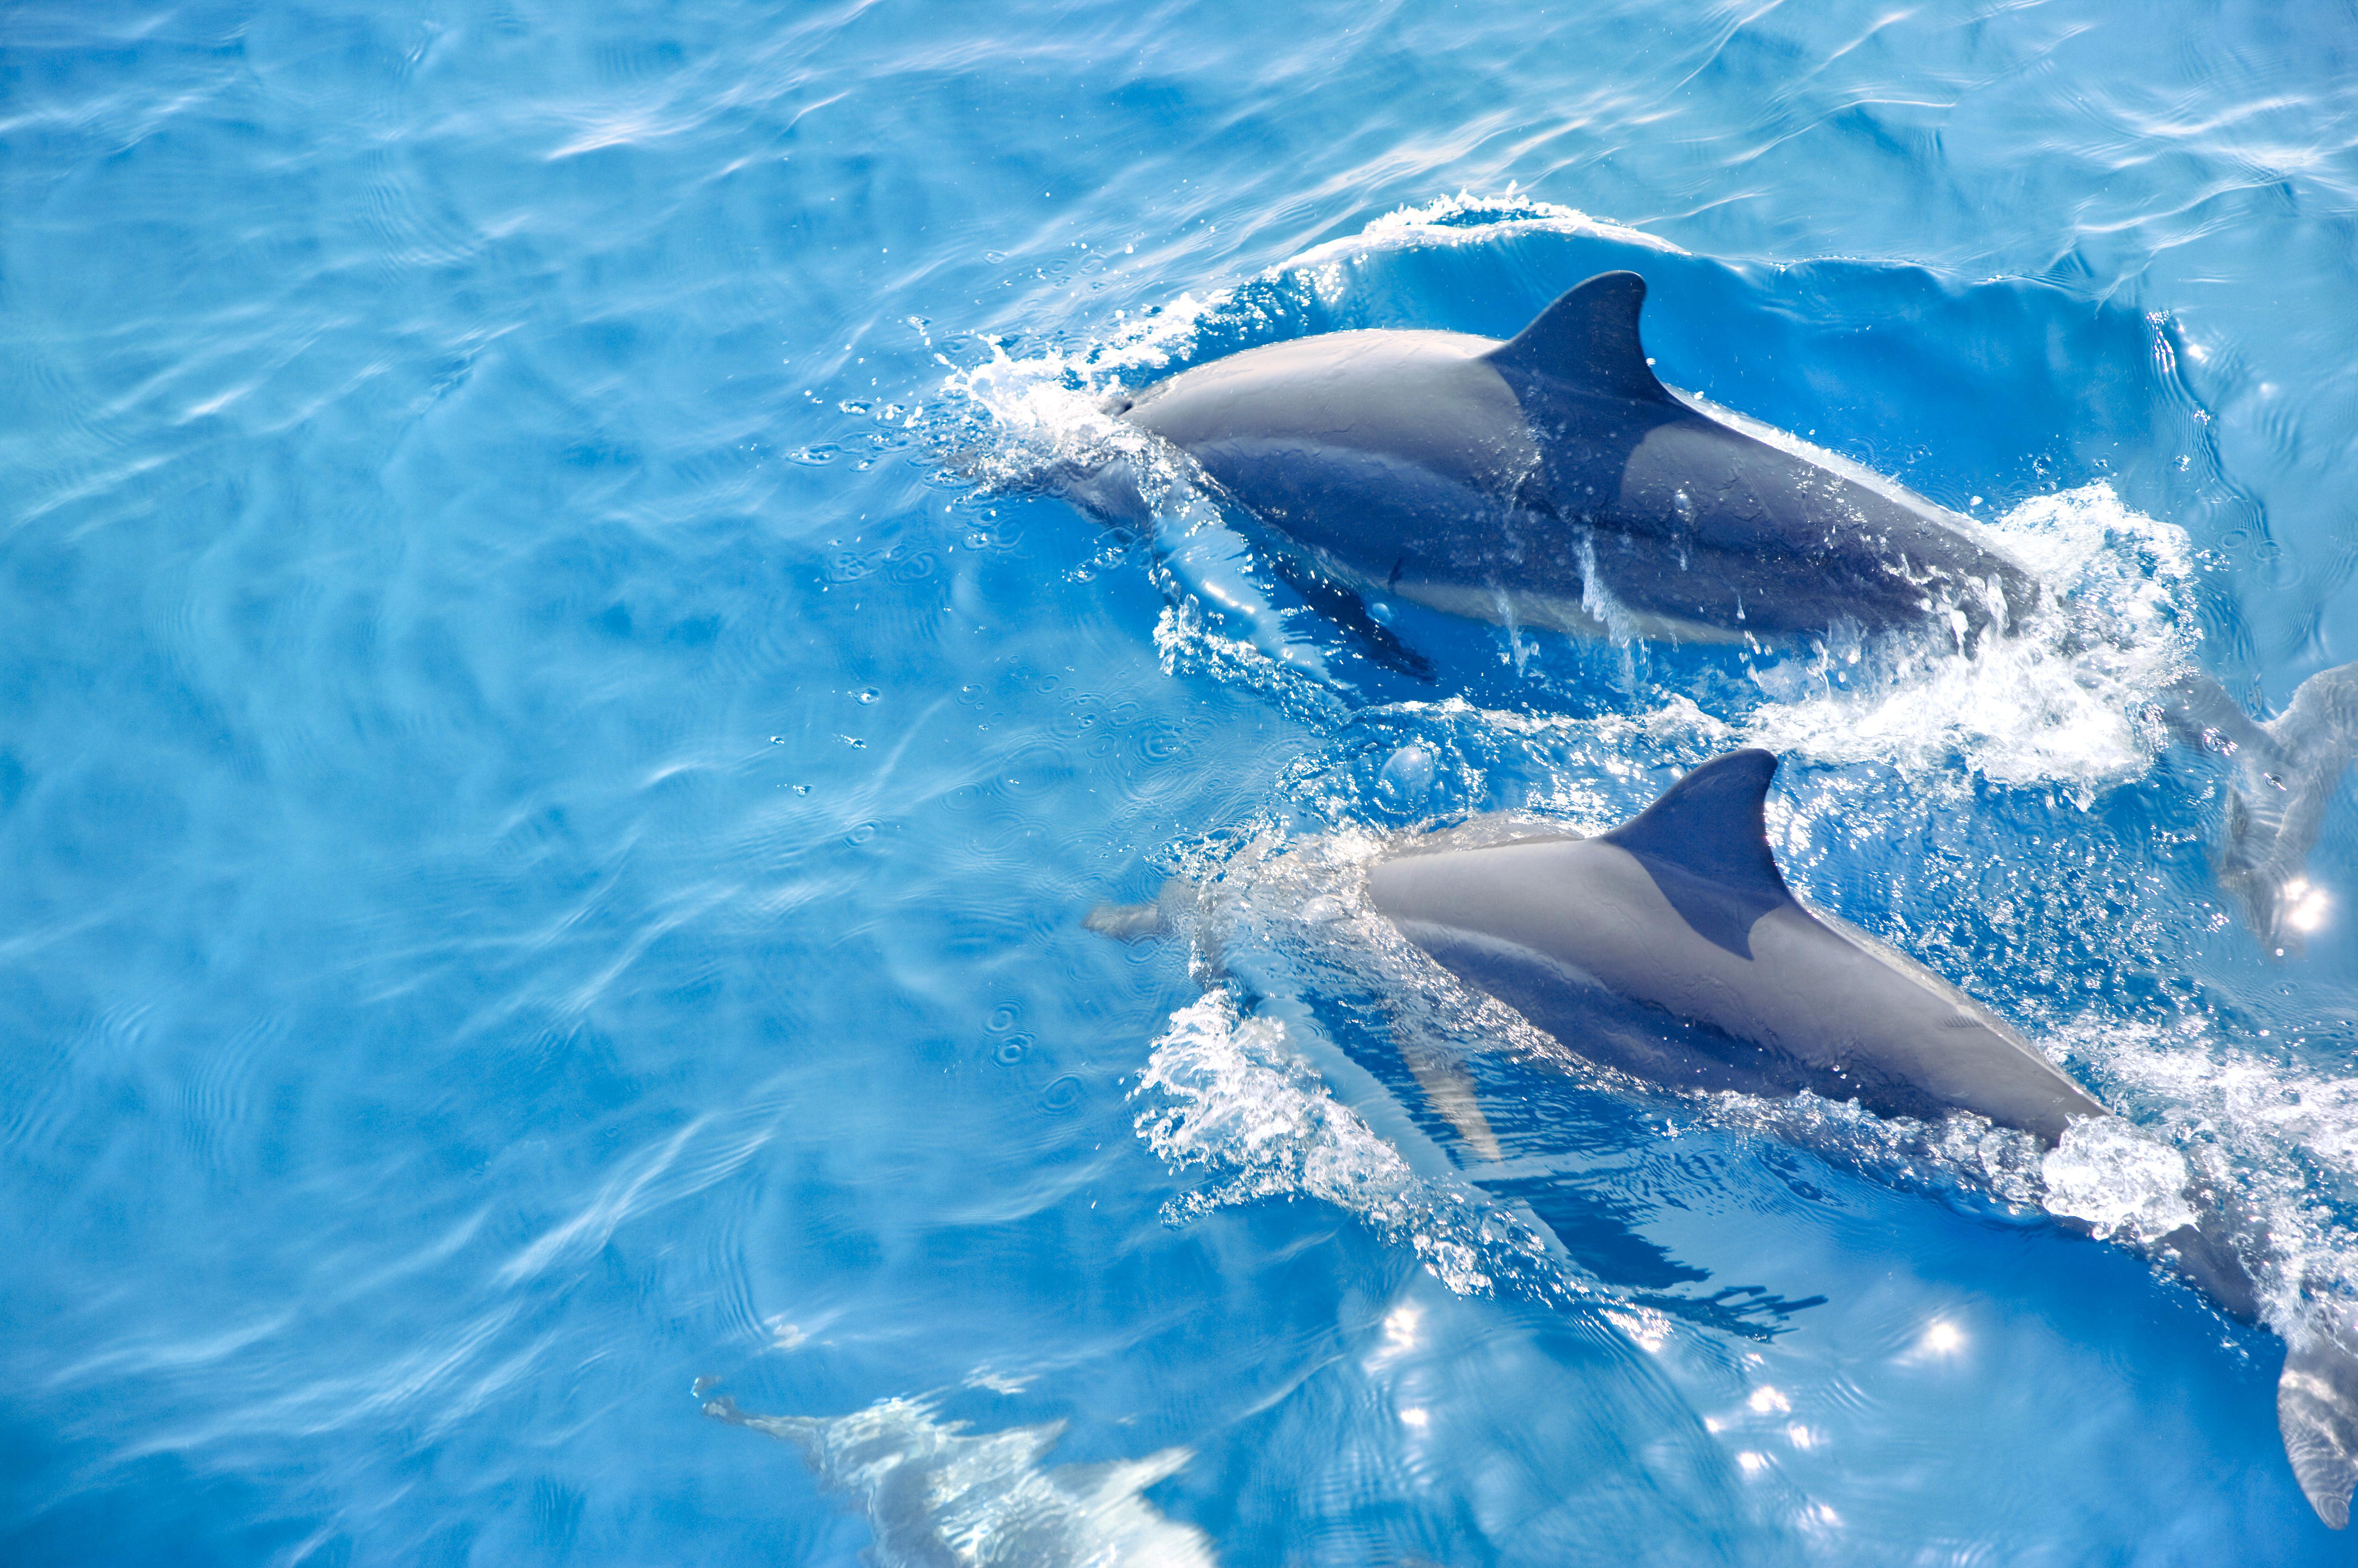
(2071, 698)
(2122, 1179)
(2279, 1140)
(937, 1496)
(1228, 1094)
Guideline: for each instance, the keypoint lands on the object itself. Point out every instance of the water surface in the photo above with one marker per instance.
(550, 765)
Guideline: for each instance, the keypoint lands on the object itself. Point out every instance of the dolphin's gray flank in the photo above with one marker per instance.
(1682, 911)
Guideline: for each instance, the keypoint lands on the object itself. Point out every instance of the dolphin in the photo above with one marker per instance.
(1670, 950)
(1679, 919)
(1554, 481)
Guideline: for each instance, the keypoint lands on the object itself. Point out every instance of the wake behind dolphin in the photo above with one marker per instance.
(1554, 481)
(1671, 951)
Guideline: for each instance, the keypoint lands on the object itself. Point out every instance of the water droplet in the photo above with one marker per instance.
(867, 694)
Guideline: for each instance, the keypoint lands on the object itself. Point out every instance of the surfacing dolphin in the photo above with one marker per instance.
(1672, 950)
(1554, 481)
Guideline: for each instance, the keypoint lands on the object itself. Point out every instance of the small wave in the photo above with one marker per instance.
(1463, 219)
(936, 1494)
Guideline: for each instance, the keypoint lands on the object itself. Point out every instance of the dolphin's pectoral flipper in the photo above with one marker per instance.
(1705, 842)
(1348, 611)
(2317, 1411)
(1449, 1090)
(1589, 338)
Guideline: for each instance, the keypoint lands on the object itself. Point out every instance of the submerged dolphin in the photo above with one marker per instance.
(1672, 950)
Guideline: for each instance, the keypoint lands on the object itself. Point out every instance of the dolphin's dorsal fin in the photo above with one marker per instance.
(1589, 338)
(1711, 825)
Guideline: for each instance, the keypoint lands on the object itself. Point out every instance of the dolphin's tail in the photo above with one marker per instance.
(2317, 1411)
(2287, 771)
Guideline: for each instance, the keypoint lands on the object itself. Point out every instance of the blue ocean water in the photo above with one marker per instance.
(552, 754)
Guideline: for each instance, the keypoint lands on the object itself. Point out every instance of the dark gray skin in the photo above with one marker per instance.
(1553, 480)
(1682, 911)
(1672, 949)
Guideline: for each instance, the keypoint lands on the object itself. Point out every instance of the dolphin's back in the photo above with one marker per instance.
(1672, 949)
(1552, 478)
(1429, 399)
(1400, 458)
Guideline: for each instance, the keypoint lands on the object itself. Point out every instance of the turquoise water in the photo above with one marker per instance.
(552, 753)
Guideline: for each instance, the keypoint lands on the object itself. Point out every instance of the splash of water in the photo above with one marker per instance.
(2071, 696)
(2123, 1180)
(1225, 1093)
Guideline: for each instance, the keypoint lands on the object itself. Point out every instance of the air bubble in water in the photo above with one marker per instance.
(1407, 778)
